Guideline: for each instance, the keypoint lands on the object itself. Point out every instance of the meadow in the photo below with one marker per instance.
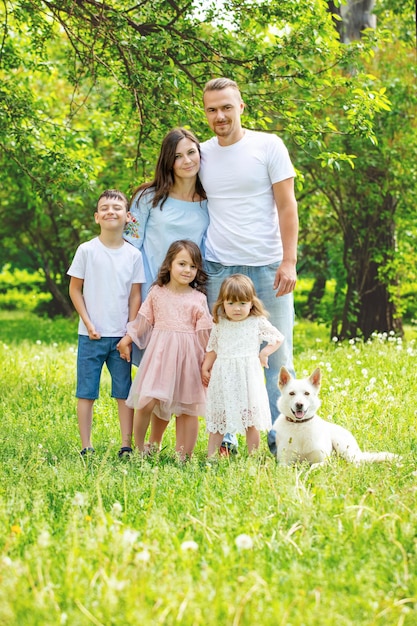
(241, 541)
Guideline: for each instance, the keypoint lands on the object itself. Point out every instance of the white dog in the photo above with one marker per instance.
(303, 436)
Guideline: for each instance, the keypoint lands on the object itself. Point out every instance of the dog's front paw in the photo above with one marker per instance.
(316, 465)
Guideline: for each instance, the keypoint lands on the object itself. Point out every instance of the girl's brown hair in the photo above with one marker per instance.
(163, 180)
(237, 288)
(164, 274)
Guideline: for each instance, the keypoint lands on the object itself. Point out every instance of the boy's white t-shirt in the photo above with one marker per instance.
(108, 275)
(238, 179)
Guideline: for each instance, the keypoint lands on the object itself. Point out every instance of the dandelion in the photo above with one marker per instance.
(79, 499)
(244, 542)
(335, 339)
(364, 372)
(187, 546)
(38, 342)
(143, 557)
(44, 539)
(117, 585)
(16, 529)
(88, 518)
(6, 560)
(129, 537)
(116, 509)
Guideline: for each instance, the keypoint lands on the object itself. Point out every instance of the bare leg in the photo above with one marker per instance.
(141, 420)
(126, 422)
(252, 439)
(214, 443)
(186, 430)
(85, 420)
(158, 427)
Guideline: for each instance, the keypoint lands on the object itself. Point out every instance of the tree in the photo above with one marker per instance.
(90, 87)
(368, 202)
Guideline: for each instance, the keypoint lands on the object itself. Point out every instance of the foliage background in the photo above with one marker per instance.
(89, 89)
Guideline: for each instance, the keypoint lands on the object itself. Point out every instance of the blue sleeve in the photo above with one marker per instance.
(140, 209)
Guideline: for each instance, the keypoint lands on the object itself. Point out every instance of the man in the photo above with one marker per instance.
(249, 180)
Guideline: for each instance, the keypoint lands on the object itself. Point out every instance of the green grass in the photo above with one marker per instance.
(108, 542)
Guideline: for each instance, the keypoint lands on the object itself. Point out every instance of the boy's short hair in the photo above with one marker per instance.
(114, 194)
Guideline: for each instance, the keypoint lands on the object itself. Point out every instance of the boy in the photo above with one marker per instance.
(106, 276)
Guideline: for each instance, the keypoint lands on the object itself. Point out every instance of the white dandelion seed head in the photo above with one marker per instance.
(79, 499)
(189, 546)
(244, 542)
(116, 508)
(129, 537)
(44, 539)
(143, 557)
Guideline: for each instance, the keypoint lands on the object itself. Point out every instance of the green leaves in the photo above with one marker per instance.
(90, 88)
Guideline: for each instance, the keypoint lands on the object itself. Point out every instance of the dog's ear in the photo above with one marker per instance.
(284, 377)
(315, 378)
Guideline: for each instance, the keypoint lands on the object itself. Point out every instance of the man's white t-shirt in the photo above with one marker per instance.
(108, 275)
(238, 179)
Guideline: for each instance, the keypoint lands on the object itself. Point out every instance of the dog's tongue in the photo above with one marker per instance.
(299, 414)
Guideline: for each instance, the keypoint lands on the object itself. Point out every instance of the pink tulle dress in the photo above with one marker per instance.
(174, 328)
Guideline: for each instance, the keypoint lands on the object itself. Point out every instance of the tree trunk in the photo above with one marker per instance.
(316, 295)
(356, 16)
(368, 248)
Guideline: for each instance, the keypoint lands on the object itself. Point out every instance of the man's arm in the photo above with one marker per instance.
(286, 275)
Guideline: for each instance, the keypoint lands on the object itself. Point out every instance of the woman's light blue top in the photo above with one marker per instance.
(152, 230)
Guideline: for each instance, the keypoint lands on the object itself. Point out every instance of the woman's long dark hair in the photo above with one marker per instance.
(164, 172)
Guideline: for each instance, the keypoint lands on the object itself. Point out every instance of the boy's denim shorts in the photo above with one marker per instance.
(92, 354)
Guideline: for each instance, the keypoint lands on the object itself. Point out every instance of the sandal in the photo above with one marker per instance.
(86, 451)
(124, 452)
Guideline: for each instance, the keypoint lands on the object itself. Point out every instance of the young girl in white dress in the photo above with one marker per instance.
(237, 400)
(173, 324)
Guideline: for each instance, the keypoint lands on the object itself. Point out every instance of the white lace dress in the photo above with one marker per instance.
(237, 396)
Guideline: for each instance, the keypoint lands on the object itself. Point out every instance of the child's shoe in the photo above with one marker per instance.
(87, 451)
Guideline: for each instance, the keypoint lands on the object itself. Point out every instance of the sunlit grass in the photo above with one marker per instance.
(104, 541)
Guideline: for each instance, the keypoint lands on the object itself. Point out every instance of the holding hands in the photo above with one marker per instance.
(125, 348)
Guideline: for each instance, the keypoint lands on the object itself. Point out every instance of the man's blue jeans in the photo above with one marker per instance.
(281, 315)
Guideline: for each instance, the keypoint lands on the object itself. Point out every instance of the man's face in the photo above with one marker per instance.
(223, 109)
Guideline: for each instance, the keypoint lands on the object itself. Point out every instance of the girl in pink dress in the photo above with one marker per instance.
(174, 325)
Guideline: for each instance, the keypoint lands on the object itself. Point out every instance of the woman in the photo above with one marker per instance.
(173, 206)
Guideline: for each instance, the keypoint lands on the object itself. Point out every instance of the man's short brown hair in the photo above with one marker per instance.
(216, 84)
